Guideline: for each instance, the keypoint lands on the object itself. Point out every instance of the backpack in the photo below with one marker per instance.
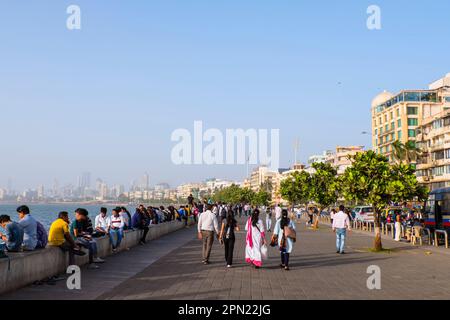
(42, 237)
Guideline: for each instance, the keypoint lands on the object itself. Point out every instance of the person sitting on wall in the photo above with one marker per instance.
(101, 222)
(29, 225)
(12, 239)
(115, 228)
(80, 230)
(59, 236)
(141, 221)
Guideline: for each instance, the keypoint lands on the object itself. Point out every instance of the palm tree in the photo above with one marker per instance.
(399, 151)
(405, 152)
(412, 152)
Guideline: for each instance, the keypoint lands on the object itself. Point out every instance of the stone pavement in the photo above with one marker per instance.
(171, 268)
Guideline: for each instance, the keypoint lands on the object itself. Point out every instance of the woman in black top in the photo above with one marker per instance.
(227, 237)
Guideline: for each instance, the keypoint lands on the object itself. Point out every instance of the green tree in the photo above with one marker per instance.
(262, 198)
(296, 188)
(373, 180)
(324, 187)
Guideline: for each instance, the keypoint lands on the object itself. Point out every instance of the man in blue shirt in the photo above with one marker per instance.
(29, 225)
(13, 237)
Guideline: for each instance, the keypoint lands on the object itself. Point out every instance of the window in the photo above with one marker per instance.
(381, 140)
(392, 136)
(376, 132)
(392, 115)
(399, 135)
(385, 118)
(399, 123)
(412, 96)
(379, 121)
(447, 99)
(398, 112)
(381, 130)
(413, 122)
(428, 97)
(412, 111)
(439, 155)
(392, 126)
(447, 121)
(386, 128)
(438, 124)
(411, 133)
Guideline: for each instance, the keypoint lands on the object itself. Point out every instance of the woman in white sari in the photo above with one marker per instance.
(255, 240)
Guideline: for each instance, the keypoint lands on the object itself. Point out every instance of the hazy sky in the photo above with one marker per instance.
(106, 98)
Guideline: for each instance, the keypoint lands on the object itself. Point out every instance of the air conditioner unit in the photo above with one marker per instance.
(426, 178)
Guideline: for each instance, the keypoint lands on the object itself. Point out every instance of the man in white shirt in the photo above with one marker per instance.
(341, 223)
(278, 212)
(101, 222)
(207, 224)
(115, 228)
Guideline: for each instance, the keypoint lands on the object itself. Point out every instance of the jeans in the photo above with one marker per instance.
(340, 239)
(229, 249)
(269, 224)
(284, 258)
(144, 234)
(115, 236)
(91, 245)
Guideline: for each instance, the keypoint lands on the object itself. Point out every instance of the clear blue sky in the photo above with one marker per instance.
(105, 99)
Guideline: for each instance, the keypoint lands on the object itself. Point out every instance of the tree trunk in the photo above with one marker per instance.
(377, 245)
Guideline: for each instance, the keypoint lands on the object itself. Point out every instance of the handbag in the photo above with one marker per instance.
(290, 233)
(264, 252)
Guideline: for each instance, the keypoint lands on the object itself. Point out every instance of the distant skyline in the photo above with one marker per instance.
(105, 99)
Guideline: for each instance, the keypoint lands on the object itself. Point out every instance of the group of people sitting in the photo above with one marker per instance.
(28, 234)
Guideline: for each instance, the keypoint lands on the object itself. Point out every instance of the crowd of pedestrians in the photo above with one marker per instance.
(28, 234)
(219, 221)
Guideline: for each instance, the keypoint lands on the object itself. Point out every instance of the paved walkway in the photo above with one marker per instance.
(170, 268)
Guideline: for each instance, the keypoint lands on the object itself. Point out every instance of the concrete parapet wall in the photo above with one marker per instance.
(28, 267)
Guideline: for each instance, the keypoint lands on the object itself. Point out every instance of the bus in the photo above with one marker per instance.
(437, 210)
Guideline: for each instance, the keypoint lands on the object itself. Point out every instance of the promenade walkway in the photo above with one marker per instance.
(170, 268)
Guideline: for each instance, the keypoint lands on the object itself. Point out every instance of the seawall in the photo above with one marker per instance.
(28, 267)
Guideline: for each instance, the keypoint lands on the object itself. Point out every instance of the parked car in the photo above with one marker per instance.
(364, 214)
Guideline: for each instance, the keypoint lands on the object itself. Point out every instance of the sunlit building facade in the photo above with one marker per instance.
(397, 117)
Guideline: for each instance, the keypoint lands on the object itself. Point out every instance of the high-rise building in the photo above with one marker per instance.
(41, 192)
(84, 180)
(433, 140)
(397, 116)
(145, 182)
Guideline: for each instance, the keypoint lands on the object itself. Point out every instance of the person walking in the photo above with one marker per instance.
(227, 236)
(278, 212)
(283, 230)
(255, 240)
(398, 227)
(332, 214)
(341, 224)
(268, 219)
(207, 224)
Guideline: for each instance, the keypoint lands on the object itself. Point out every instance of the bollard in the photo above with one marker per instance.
(436, 239)
(428, 232)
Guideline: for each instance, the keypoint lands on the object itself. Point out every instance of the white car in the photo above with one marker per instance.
(364, 214)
